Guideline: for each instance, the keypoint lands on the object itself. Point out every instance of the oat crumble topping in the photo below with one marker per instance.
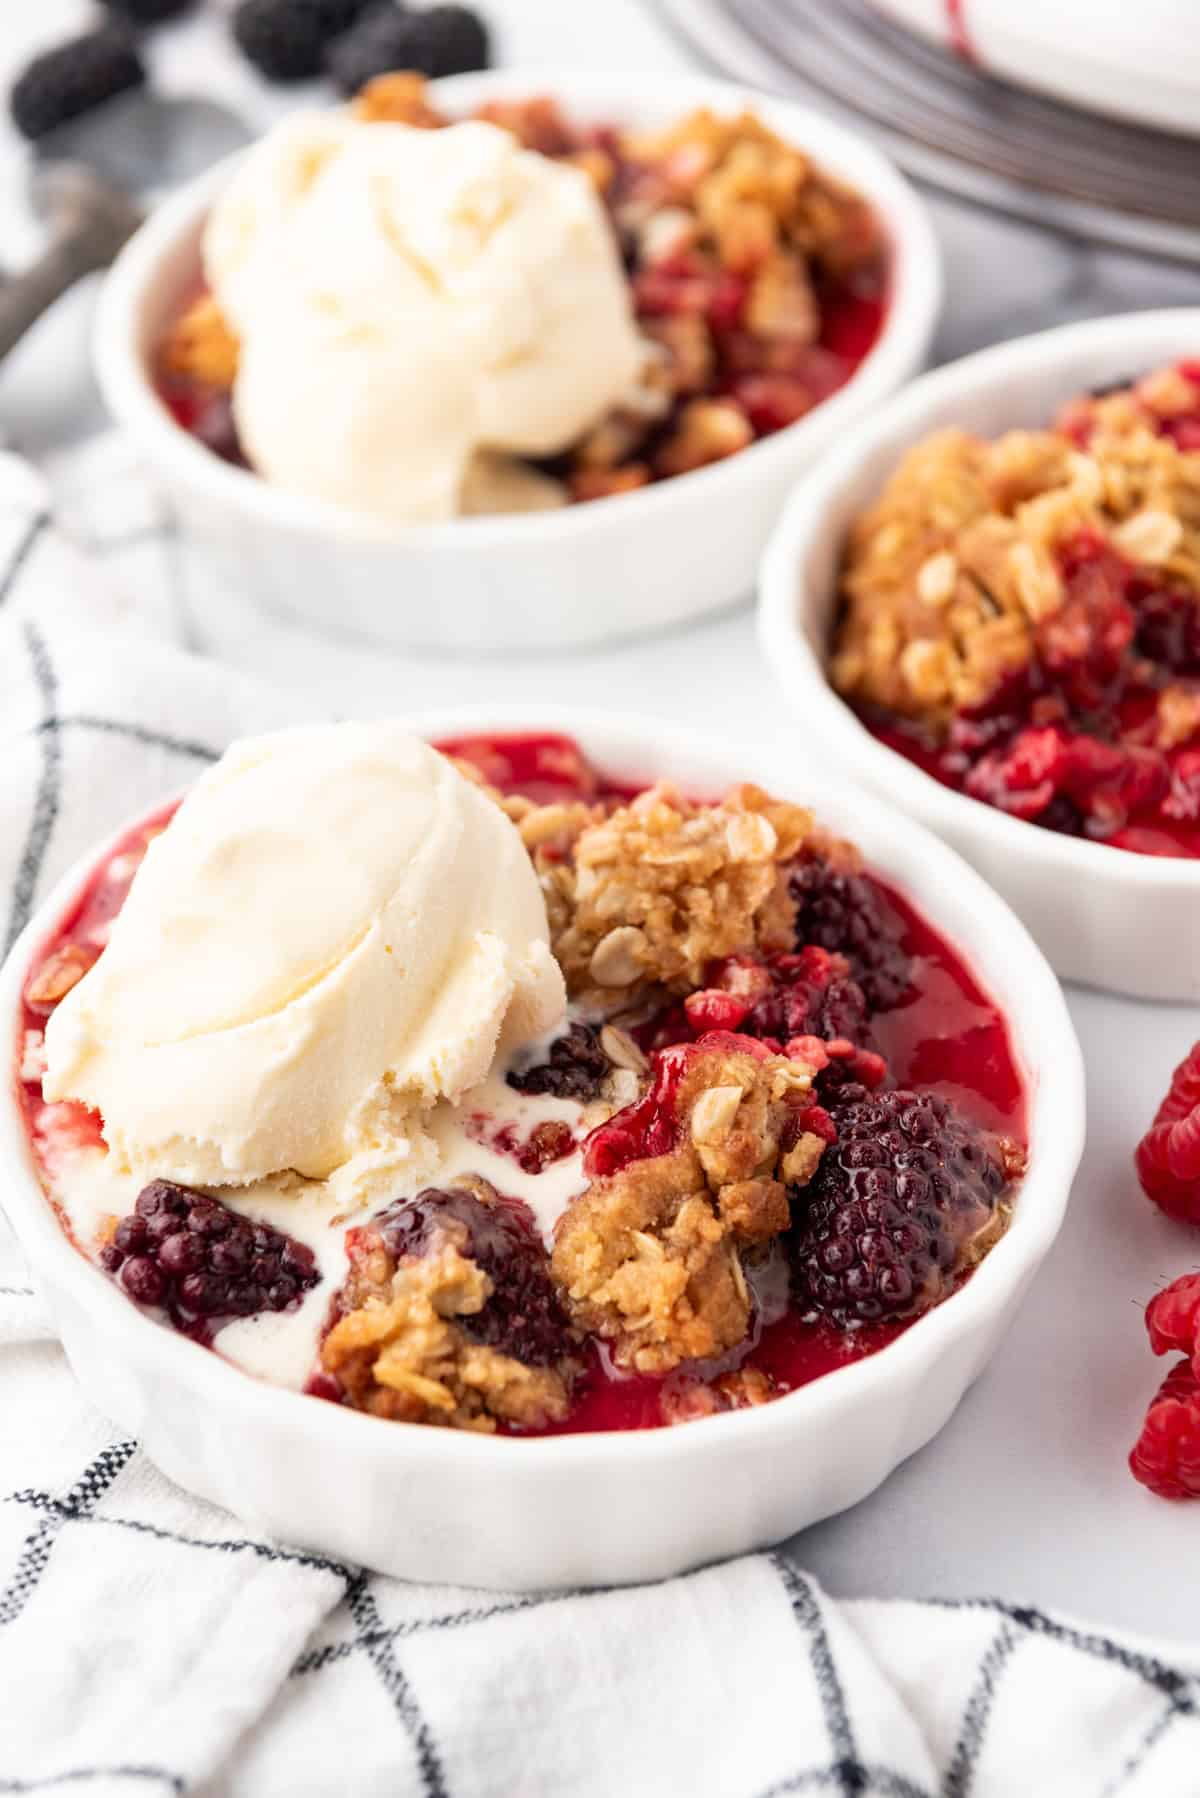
(953, 578)
(658, 889)
(404, 1356)
(649, 1257)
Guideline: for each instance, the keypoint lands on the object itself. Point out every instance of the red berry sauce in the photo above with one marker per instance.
(946, 1037)
(85, 927)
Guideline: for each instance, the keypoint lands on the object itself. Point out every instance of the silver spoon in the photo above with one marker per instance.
(91, 182)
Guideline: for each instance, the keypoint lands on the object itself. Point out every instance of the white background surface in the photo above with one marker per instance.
(1025, 1494)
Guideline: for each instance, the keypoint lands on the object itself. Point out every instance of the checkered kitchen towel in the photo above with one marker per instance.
(149, 1644)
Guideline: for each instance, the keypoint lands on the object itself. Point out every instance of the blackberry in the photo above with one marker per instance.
(523, 1317)
(812, 993)
(1062, 814)
(576, 1068)
(286, 40)
(849, 914)
(65, 83)
(1168, 631)
(906, 1196)
(441, 40)
(202, 1262)
(148, 12)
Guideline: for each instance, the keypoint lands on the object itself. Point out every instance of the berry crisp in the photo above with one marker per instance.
(758, 281)
(1020, 617)
(780, 1121)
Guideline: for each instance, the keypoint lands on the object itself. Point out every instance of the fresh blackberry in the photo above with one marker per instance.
(202, 1262)
(576, 1068)
(849, 914)
(65, 83)
(286, 40)
(899, 1204)
(522, 1317)
(148, 12)
(440, 40)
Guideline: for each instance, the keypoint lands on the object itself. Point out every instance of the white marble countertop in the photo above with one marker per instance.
(1025, 1494)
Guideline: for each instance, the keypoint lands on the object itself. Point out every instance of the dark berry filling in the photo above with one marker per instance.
(203, 1263)
(775, 999)
(1071, 741)
(848, 914)
(575, 1067)
(896, 1200)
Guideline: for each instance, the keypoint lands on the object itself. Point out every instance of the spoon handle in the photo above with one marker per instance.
(90, 224)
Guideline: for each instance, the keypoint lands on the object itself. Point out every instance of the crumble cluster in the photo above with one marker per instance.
(736, 242)
(650, 1257)
(954, 580)
(649, 894)
(436, 1297)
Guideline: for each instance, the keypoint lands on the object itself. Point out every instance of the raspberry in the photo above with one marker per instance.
(1173, 1316)
(1168, 1156)
(65, 83)
(849, 914)
(523, 1317)
(899, 1204)
(575, 1068)
(442, 40)
(286, 40)
(202, 1262)
(1166, 1456)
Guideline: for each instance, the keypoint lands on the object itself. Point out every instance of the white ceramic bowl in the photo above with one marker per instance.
(1104, 916)
(435, 1504)
(550, 581)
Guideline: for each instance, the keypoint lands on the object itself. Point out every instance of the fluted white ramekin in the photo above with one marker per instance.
(1105, 916)
(435, 1504)
(546, 581)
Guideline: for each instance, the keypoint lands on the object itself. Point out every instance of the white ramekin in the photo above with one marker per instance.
(1104, 916)
(435, 1504)
(551, 581)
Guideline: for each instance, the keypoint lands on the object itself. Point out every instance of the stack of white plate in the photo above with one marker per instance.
(969, 95)
(1136, 61)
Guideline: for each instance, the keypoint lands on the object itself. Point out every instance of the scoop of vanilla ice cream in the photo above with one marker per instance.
(245, 229)
(368, 420)
(336, 931)
(406, 298)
